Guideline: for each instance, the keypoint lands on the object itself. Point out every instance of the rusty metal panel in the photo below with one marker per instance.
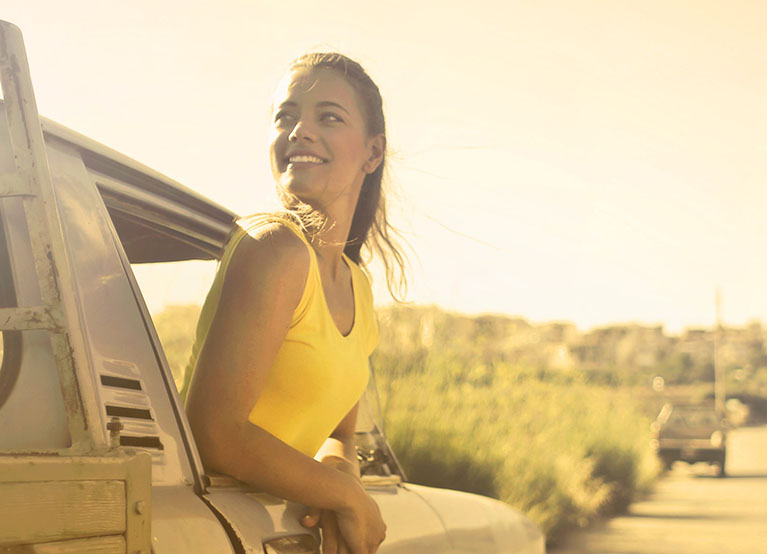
(20, 319)
(44, 227)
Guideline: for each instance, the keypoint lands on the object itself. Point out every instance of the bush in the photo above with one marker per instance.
(562, 453)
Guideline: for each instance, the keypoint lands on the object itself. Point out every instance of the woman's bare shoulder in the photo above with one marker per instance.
(270, 256)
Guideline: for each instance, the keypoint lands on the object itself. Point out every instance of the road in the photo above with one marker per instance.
(691, 511)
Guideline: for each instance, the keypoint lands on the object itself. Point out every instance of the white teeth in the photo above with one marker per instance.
(305, 159)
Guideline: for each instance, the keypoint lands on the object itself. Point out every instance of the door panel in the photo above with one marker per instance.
(412, 526)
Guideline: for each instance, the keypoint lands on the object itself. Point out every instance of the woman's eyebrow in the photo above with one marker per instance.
(327, 103)
(323, 104)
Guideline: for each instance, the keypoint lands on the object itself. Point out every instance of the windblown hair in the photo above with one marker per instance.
(370, 227)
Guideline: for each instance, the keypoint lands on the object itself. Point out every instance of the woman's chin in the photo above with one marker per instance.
(293, 192)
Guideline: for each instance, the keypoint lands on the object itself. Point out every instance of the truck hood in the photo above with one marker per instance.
(478, 524)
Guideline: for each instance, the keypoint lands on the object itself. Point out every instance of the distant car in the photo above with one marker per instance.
(690, 433)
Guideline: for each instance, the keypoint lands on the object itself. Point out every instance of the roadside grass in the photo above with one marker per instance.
(562, 451)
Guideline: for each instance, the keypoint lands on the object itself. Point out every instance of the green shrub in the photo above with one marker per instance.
(564, 453)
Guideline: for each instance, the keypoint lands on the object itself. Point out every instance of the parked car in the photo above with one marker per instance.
(690, 433)
(96, 454)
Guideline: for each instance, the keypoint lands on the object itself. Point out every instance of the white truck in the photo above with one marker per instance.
(96, 454)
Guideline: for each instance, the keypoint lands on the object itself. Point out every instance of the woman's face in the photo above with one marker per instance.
(320, 150)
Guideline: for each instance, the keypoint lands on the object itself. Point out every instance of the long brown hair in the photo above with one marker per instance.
(370, 226)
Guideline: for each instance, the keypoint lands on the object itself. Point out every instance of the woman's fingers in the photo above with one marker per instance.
(331, 538)
(311, 518)
(331, 521)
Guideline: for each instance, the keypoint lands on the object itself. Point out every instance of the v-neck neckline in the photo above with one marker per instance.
(348, 263)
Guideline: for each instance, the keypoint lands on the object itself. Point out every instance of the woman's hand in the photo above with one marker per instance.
(332, 542)
(358, 530)
(361, 525)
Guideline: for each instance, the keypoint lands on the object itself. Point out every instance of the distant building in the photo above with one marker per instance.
(559, 345)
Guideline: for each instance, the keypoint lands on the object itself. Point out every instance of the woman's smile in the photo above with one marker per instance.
(298, 160)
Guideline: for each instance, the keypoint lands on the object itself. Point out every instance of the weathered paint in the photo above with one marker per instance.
(33, 177)
(75, 497)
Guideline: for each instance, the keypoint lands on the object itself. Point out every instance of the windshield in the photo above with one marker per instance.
(694, 418)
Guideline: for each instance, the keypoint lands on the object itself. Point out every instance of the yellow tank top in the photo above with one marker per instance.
(319, 374)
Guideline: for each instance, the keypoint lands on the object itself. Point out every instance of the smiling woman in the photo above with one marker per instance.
(281, 351)
(357, 108)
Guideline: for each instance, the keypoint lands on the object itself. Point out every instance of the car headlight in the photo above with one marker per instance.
(293, 544)
(717, 439)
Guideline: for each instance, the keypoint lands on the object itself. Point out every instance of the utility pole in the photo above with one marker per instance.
(719, 385)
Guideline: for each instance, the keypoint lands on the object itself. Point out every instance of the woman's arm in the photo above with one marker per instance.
(263, 285)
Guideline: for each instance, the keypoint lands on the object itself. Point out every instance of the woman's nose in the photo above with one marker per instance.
(301, 131)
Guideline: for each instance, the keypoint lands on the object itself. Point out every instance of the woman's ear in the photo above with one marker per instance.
(376, 147)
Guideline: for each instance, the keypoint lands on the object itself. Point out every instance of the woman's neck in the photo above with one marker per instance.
(330, 242)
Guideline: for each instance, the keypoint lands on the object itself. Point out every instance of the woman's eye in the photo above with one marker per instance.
(282, 117)
(331, 117)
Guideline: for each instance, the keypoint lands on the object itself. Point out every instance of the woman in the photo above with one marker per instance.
(280, 357)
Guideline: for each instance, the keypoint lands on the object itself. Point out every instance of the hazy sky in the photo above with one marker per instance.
(595, 161)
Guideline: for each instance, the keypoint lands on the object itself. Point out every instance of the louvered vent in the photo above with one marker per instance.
(125, 397)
